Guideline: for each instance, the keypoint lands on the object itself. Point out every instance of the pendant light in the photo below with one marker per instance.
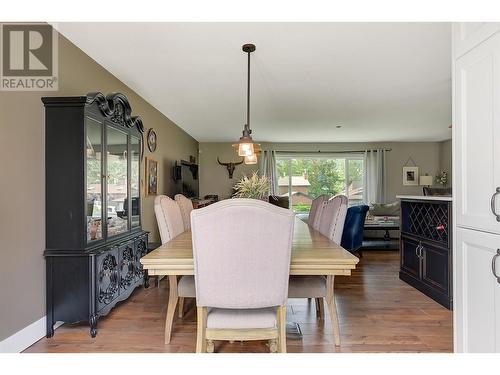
(246, 144)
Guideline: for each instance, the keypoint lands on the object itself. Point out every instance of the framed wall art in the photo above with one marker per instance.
(151, 140)
(151, 177)
(410, 176)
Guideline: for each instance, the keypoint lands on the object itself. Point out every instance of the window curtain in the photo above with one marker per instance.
(376, 176)
(268, 168)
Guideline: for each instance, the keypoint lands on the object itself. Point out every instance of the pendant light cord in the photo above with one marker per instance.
(248, 91)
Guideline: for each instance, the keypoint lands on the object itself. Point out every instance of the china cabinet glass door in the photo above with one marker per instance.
(117, 181)
(135, 180)
(94, 180)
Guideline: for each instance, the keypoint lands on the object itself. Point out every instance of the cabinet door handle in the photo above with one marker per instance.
(492, 203)
(493, 265)
(418, 251)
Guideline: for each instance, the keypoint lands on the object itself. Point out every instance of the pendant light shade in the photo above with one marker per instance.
(252, 159)
(245, 149)
(245, 145)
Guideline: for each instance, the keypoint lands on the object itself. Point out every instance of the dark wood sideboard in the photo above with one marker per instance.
(426, 246)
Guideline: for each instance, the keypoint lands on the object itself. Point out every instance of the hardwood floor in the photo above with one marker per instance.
(377, 313)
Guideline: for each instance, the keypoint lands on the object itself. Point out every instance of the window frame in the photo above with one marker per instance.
(329, 156)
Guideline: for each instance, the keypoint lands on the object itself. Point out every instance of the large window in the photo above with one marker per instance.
(304, 178)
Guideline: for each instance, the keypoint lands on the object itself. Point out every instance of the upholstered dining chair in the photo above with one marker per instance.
(282, 202)
(241, 252)
(331, 225)
(352, 235)
(316, 210)
(170, 225)
(186, 206)
(332, 218)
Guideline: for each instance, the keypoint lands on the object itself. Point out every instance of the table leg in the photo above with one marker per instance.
(332, 308)
(172, 303)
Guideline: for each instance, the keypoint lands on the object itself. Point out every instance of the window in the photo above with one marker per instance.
(304, 178)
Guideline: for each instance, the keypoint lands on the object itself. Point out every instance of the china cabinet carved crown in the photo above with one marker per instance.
(94, 239)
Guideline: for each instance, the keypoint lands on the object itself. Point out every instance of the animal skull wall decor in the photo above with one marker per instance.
(230, 166)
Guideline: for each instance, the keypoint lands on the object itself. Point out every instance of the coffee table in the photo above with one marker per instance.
(386, 225)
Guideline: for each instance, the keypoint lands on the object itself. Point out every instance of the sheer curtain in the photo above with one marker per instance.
(376, 176)
(268, 168)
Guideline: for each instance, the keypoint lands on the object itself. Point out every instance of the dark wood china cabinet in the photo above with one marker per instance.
(94, 239)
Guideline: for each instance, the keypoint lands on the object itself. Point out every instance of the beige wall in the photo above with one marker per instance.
(214, 180)
(22, 179)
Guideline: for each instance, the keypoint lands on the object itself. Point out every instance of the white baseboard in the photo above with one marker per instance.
(26, 337)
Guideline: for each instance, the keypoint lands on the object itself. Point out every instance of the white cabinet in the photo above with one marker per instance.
(477, 136)
(477, 292)
(467, 35)
(476, 166)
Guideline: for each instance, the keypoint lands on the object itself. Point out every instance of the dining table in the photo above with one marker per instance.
(312, 254)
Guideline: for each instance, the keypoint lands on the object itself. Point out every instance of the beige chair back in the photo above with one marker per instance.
(333, 218)
(241, 251)
(316, 210)
(186, 207)
(169, 218)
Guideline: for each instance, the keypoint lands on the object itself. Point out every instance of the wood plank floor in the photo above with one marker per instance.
(377, 312)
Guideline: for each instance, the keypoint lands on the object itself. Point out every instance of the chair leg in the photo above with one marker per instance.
(181, 307)
(273, 346)
(282, 329)
(158, 279)
(201, 340)
(320, 308)
(210, 346)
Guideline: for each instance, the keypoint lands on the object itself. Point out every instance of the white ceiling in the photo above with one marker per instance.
(379, 81)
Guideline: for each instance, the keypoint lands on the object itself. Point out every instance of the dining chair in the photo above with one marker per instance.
(241, 252)
(332, 225)
(170, 225)
(186, 206)
(282, 202)
(332, 218)
(316, 209)
(352, 235)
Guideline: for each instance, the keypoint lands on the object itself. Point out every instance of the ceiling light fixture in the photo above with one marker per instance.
(246, 146)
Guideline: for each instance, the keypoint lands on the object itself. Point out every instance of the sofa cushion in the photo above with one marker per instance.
(385, 209)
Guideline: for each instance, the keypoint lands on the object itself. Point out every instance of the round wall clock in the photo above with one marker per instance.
(151, 140)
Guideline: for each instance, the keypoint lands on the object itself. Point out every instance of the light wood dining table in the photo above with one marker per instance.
(312, 254)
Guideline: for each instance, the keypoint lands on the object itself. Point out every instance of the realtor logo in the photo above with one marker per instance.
(28, 57)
